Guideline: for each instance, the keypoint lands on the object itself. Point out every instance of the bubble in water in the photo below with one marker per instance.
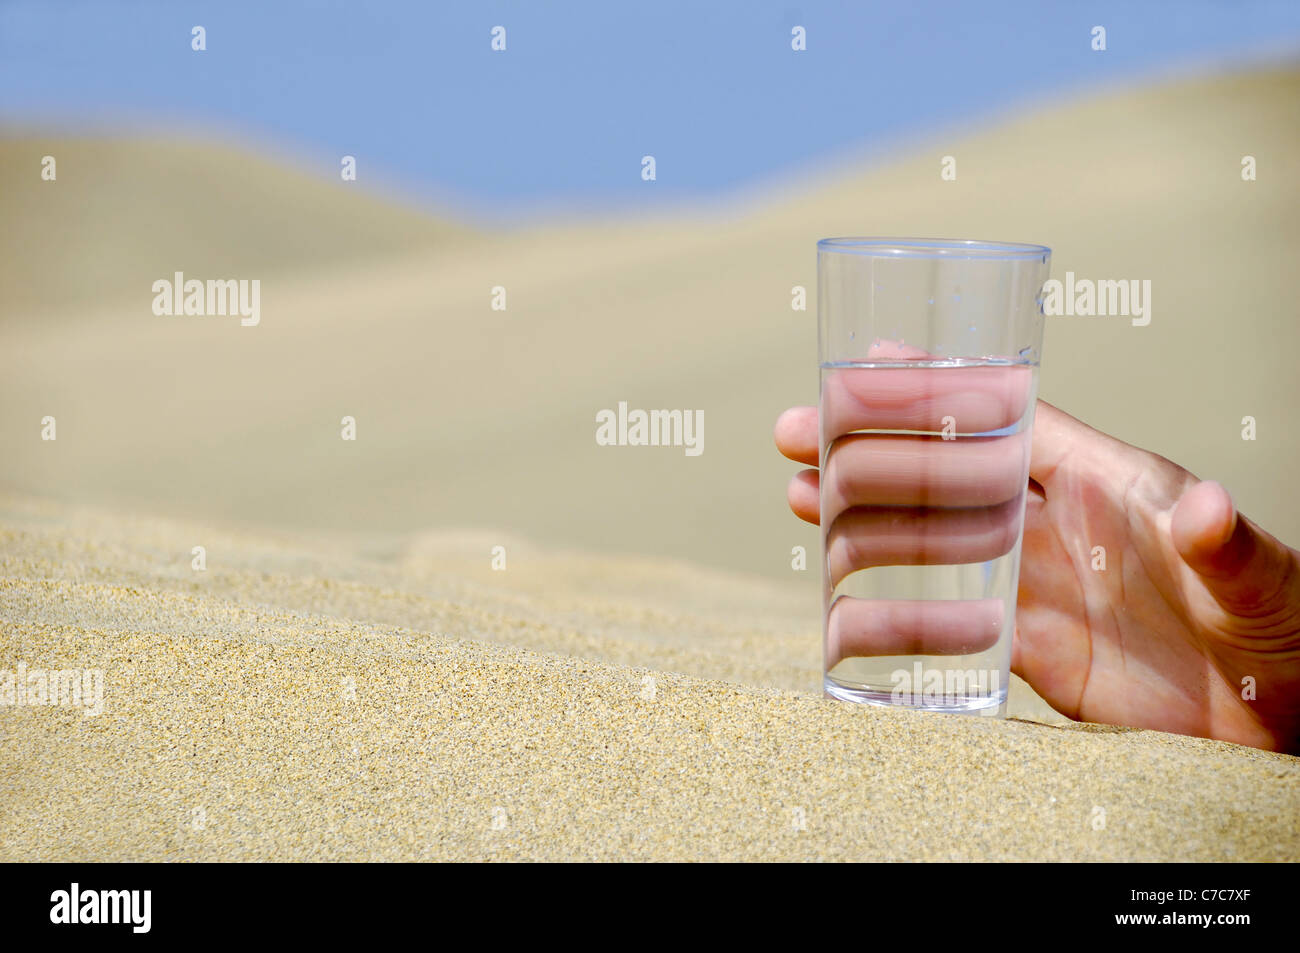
(1027, 353)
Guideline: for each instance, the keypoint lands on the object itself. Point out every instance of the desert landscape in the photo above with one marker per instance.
(475, 633)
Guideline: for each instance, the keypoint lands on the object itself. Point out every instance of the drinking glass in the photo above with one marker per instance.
(929, 352)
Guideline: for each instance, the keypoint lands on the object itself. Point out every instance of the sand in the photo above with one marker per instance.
(469, 417)
(350, 678)
(263, 709)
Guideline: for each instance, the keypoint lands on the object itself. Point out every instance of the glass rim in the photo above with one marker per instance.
(957, 248)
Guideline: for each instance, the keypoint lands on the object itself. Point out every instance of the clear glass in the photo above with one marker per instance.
(929, 353)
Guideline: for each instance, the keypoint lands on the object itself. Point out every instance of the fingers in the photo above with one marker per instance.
(796, 435)
(923, 471)
(803, 497)
(863, 537)
(919, 536)
(1059, 438)
(976, 399)
(913, 499)
(870, 627)
(1249, 572)
(796, 438)
(1204, 521)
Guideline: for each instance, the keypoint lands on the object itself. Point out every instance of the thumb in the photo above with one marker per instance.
(1249, 572)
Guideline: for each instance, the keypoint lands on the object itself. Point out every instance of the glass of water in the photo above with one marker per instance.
(929, 354)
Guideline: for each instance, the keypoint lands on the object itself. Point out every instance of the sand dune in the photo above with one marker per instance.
(259, 710)
(364, 566)
(124, 211)
(486, 419)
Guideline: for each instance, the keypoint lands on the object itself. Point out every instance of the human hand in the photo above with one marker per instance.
(1195, 598)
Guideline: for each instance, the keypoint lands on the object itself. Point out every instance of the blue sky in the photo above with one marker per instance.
(584, 89)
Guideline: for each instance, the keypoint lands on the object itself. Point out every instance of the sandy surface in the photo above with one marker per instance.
(304, 699)
(349, 677)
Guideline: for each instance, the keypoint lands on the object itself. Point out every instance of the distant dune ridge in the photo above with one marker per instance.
(349, 676)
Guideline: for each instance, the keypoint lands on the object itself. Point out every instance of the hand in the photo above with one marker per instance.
(1195, 604)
